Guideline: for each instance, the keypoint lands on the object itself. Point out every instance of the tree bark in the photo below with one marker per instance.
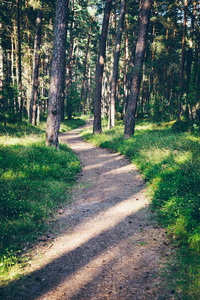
(182, 59)
(20, 98)
(2, 109)
(84, 68)
(12, 60)
(126, 54)
(99, 71)
(137, 70)
(115, 65)
(69, 88)
(36, 64)
(57, 74)
(16, 50)
(190, 53)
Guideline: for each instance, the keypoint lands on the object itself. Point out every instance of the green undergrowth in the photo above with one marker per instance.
(170, 163)
(34, 181)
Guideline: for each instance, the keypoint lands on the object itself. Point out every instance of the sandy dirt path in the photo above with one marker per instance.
(109, 245)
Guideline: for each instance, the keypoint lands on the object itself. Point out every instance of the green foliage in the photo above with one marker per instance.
(74, 102)
(170, 162)
(34, 179)
(68, 125)
(7, 98)
(181, 126)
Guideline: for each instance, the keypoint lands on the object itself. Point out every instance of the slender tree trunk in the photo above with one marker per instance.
(99, 72)
(89, 83)
(69, 89)
(190, 52)
(137, 70)
(36, 65)
(46, 76)
(12, 60)
(132, 57)
(85, 64)
(106, 86)
(19, 60)
(16, 52)
(115, 65)
(2, 83)
(182, 59)
(57, 74)
(112, 41)
(153, 52)
(125, 70)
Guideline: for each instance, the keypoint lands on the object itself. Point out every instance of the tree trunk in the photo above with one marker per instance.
(112, 41)
(190, 51)
(69, 88)
(132, 57)
(1, 85)
(84, 66)
(99, 71)
(20, 98)
(89, 84)
(46, 79)
(153, 52)
(12, 60)
(115, 65)
(137, 70)
(182, 59)
(36, 65)
(57, 74)
(126, 51)
(16, 51)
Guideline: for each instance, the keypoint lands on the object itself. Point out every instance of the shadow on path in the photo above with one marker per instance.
(110, 247)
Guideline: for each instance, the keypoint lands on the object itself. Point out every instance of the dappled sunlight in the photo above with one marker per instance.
(114, 259)
(99, 223)
(10, 175)
(23, 141)
(99, 245)
(120, 171)
(144, 127)
(101, 164)
(75, 282)
(156, 155)
(183, 157)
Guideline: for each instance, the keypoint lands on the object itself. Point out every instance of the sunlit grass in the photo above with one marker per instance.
(170, 163)
(34, 180)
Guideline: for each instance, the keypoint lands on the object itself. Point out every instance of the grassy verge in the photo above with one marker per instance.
(170, 163)
(34, 180)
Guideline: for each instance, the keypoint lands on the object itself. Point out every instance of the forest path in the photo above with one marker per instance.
(109, 246)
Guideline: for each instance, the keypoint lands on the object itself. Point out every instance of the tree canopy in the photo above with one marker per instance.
(170, 72)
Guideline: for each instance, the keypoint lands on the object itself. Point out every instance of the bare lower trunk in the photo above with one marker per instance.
(16, 47)
(84, 67)
(20, 98)
(1, 85)
(125, 70)
(69, 88)
(115, 65)
(190, 52)
(57, 74)
(182, 60)
(36, 63)
(137, 70)
(99, 71)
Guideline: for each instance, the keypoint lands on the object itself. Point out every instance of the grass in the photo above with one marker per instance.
(34, 181)
(170, 163)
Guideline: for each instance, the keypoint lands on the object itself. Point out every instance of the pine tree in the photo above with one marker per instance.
(57, 74)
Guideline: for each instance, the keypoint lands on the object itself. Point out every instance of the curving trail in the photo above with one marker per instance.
(109, 246)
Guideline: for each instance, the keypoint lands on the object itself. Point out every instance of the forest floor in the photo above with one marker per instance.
(106, 244)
